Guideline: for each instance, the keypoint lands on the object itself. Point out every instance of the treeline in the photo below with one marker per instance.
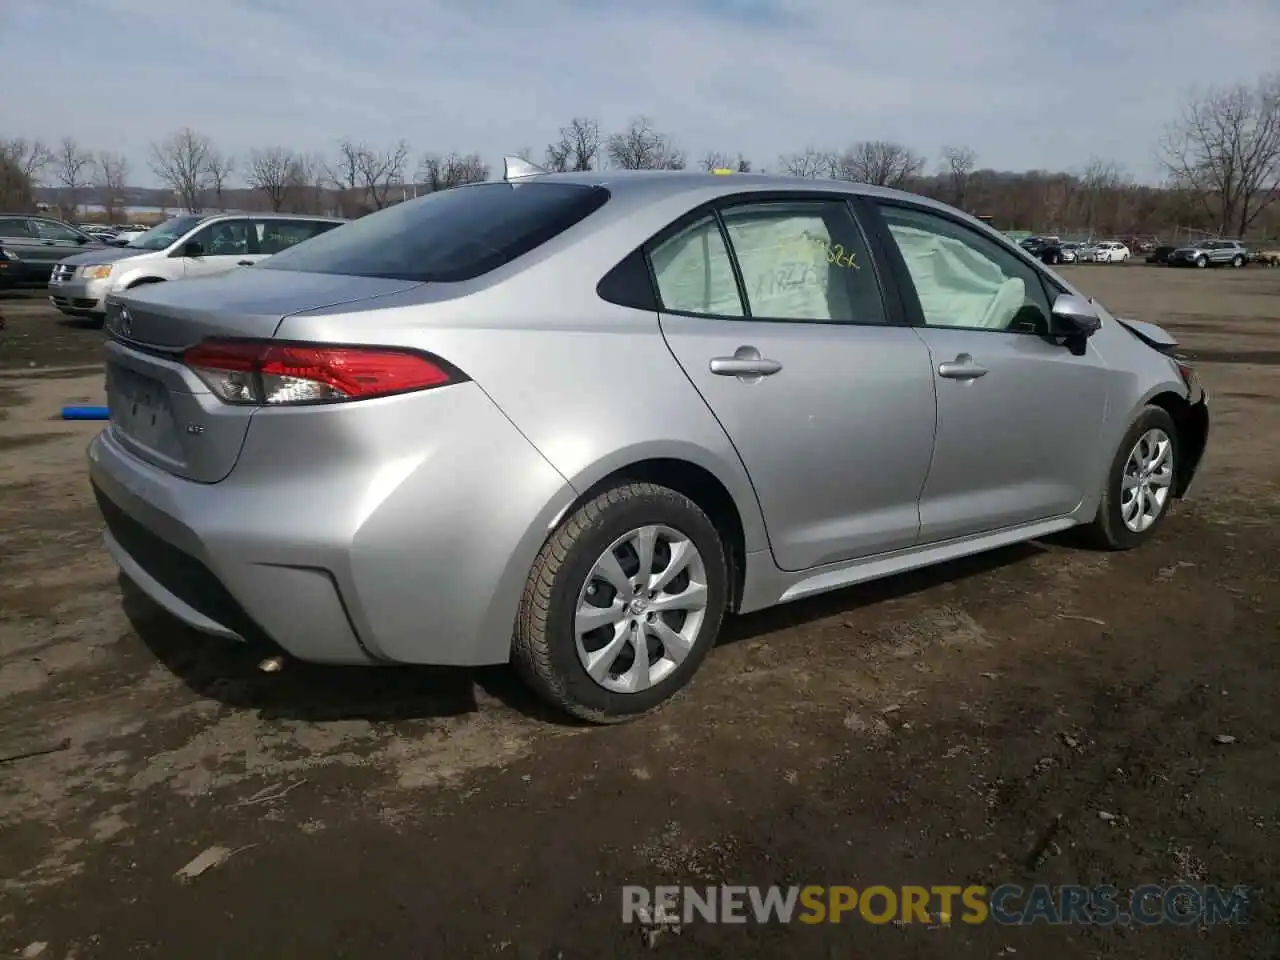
(1220, 157)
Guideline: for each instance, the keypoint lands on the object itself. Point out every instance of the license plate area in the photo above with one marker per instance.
(141, 410)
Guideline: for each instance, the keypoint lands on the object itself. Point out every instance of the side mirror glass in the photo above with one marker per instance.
(193, 249)
(1075, 316)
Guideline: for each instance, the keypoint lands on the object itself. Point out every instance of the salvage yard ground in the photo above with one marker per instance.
(926, 729)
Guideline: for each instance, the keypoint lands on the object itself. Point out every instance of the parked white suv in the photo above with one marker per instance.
(1110, 251)
(188, 246)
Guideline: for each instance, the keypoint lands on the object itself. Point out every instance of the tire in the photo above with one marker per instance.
(1237, 261)
(547, 652)
(1202, 261)
(1109, 529)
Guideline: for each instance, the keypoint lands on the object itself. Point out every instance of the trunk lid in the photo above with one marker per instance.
(160, 410)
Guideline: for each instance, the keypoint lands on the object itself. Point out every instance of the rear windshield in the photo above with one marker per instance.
(448, 236)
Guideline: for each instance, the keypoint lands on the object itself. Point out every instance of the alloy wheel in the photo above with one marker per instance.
(1147, 480)
(641, 609)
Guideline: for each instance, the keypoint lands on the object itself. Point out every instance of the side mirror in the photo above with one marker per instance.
(82, 239)
(193, 249)
(1075, 317)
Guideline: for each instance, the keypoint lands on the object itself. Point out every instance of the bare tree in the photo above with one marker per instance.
(377, 170)
(578, 147)
(958, 165)
(15, 186)
(110, 179)
(219, 167)
(1225, 149)
(442, 172)
(641, 147)
(182, 164)
(275, 172)
(809, 162)
(73, 167)
(878, 162)
(28, 157)
(715, 160)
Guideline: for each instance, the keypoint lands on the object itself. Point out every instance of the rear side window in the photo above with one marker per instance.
(448, 236)
(275, 236)
(14, 229)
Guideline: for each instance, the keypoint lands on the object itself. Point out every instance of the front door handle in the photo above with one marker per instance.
(961, 368)
(244, 263)
(746, 362)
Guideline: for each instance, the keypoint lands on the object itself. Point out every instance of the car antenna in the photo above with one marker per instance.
(518, 168)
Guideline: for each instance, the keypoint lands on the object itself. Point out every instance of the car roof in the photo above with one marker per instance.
(672, 182)
(304, 217)
(643, 186)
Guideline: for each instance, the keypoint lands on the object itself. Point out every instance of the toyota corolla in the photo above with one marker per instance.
(571, 421)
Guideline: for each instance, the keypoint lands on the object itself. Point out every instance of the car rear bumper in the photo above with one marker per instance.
(416, 552)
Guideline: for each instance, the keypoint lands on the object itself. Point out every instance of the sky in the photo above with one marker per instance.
(1025, 83)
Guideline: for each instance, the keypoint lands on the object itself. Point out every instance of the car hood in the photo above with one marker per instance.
(1150, 334)
(102, 254)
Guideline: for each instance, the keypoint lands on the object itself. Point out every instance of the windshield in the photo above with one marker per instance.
(448, 236)
(161, 236)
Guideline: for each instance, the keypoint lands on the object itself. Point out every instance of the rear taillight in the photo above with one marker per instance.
(258, 373)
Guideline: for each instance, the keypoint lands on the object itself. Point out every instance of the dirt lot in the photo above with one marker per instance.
(927, 729)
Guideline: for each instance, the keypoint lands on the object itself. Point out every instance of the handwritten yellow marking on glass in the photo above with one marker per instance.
(835, 252)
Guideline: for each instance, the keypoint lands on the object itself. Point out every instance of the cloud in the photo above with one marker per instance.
(1025, 84)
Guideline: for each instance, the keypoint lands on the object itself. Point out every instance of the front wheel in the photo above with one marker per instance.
(1139, 483)
(623, 603)
(1202, 261)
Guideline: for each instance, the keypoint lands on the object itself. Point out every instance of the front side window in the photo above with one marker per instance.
(50, 230)
(963, 279)
(694, 274)
(447, 236)
(804, 260)
(225, 238)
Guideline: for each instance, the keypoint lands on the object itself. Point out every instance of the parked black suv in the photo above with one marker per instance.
(1046, 249)
(32, 245)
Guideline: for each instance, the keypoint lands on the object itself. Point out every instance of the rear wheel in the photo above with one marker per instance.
(1139, 485)
(623, 603)
(1237, 261)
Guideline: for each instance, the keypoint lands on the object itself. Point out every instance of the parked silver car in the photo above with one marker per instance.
(181, 247)
(569, 421)
(1210, 253)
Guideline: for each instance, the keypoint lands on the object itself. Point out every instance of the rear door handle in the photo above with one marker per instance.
(961, 368)
(745, 362)
(733, 367)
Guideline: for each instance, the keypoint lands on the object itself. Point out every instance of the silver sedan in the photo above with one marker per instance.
(572, 421)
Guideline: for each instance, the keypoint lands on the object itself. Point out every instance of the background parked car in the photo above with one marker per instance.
(191, 246)
(1211, 253)
(35, 244)
(1161, 254)
(1070, 250)
(1110, 251)
(1045, 249)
